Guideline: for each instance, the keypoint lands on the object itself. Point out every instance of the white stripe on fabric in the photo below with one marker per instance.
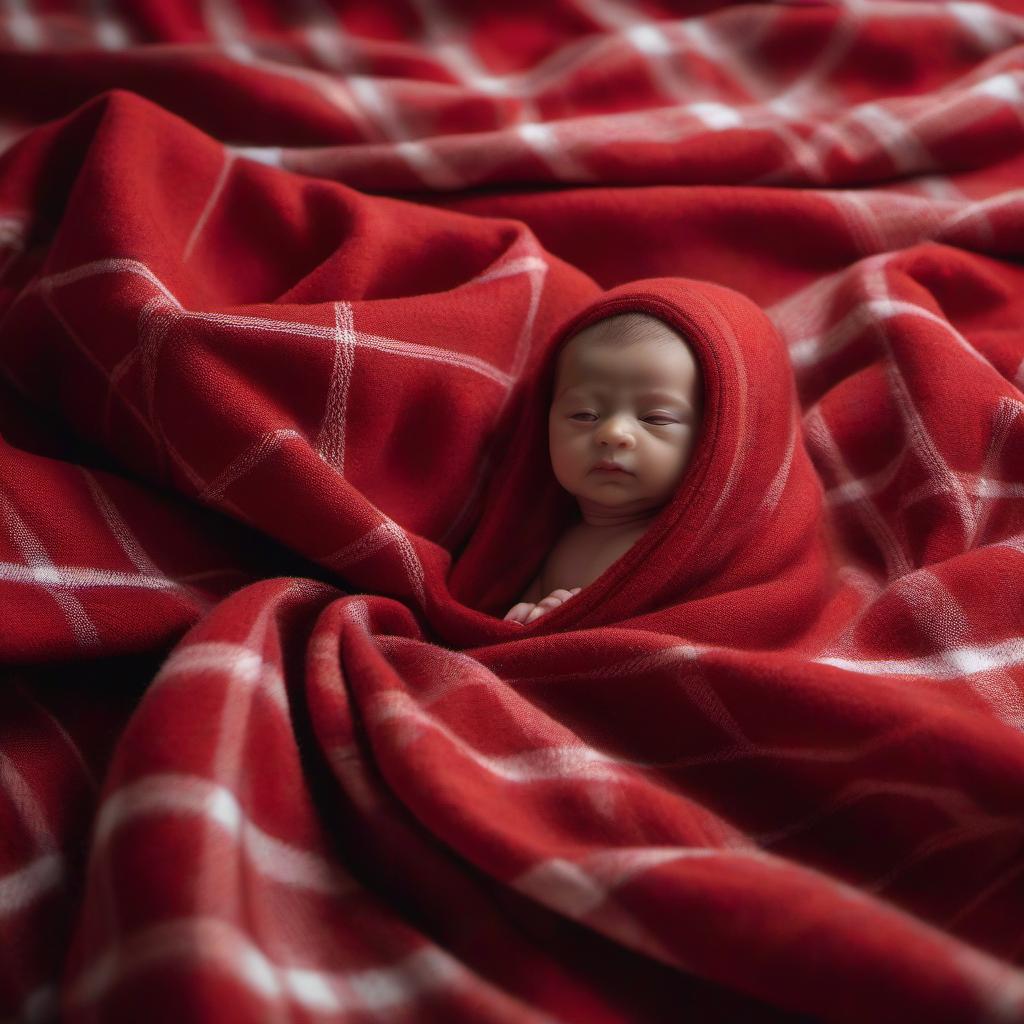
(563, 885)
(445, 38)
(652, 41)
(984, 24)
(337, 94)
(174, 794)
(806, 352)
(13, 231)
(41, 570)
(114, 265)
(23, 26)
(408, 349)
(407, 552)
(758, 81)
(576, 760)
(46, 294)
(808, 91)
(576, 889)
(983, 208)
(987, 489)
(20, 888)
(863, 487)
(386, 988)
(244, 665)
(374, 540)
(950, 664)
(80, 577)
(377, 343)
(716, 116)
(1003, 86)
(421, 157)
(572, 890)
(418, 155)
(649, 38)
(544, 142)
(215, 942)
(535, 266)
(227, 26)
(363, 547)
(511, 268)
(271, 156)
(218, 187)
(330, 441)
(111, 31)
(326, 36)
(259, 451)
(127, 540)
(29, 810)
(917, 431)
(773, 494)
(820, 440)
(895, 137)
(134, 550)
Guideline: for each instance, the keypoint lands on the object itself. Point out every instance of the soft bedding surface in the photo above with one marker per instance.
(281, 287)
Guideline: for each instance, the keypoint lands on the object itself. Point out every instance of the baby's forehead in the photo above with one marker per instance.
(637, 336)
(631, 326)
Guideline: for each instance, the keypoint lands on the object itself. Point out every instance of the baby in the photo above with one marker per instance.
(624, 419)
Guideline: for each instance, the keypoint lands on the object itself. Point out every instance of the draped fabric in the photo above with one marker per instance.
(282, 290)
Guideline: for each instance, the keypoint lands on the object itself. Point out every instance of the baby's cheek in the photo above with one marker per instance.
(564, 462)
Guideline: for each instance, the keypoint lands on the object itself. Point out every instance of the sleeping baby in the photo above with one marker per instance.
(623, 423)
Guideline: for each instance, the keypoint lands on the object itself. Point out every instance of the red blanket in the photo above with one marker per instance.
(274, 465)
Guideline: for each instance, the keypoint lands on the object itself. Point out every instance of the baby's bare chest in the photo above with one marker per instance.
(578, 558)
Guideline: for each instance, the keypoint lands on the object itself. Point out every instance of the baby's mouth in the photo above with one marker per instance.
(607, 466)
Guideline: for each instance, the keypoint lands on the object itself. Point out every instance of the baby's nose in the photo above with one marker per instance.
(616, 433)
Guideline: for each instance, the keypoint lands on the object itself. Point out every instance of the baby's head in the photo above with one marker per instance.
(627, 389)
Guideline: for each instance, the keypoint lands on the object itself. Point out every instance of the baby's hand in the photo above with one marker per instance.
(525, 612)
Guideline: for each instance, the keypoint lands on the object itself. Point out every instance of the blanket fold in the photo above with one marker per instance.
(282, 295)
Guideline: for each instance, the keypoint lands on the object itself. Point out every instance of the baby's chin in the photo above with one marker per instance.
(615, 491)
(623, 497)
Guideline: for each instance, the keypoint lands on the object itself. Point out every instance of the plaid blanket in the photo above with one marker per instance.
(281, 292)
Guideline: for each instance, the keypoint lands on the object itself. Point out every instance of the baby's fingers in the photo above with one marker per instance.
(519, 612)
(553, 600)
(549, 602)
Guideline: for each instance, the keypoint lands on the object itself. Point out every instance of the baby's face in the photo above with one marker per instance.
(638, 405)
